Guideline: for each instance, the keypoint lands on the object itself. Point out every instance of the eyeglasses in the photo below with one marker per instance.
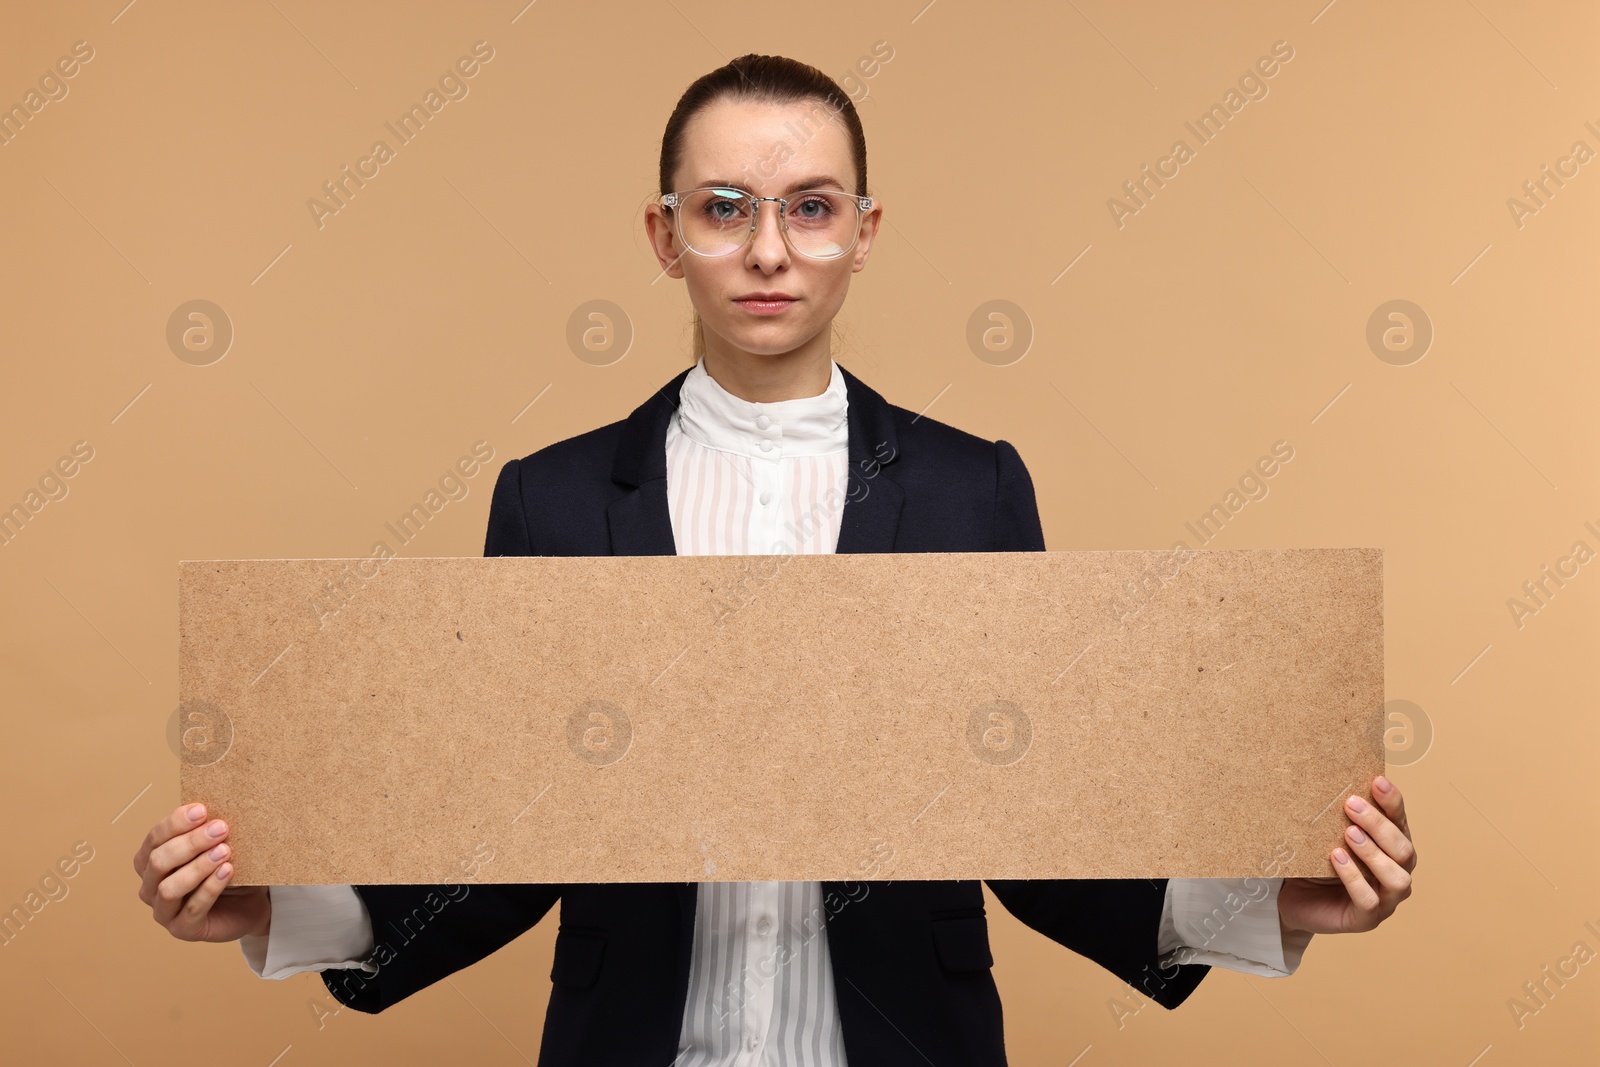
(816, 223)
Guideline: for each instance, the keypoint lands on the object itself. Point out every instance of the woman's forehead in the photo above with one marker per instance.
(748, 142)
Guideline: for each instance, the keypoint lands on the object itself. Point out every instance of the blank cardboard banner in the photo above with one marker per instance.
(1110, 714)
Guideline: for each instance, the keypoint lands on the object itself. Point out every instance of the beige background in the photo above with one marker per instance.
(1229, 313)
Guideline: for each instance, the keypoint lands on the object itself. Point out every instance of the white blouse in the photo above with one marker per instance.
(747, 478)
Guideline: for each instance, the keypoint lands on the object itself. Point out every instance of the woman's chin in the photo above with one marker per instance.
(767, 339)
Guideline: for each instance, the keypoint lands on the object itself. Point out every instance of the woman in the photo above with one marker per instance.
(767, 446)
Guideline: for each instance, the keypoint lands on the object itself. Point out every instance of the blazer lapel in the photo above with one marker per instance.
(872, 501)
(639, 521)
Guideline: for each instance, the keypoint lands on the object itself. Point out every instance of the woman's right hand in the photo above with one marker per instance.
(184, 869)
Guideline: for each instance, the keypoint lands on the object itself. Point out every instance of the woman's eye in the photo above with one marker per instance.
(722, 211)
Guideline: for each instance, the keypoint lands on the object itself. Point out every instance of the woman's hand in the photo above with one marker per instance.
(184, 872)
(1365, 893)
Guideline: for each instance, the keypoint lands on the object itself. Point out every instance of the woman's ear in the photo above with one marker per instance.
(663, 241)
(869, 229)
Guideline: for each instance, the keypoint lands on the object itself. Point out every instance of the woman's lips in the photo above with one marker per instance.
(765, 307)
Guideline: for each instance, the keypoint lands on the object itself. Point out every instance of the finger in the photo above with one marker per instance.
(1362, 895)
(198, 904)
(1393, 877)
(1391, 802)
(1391, 838)
(178, 888)
(181, 818)
(180, 850)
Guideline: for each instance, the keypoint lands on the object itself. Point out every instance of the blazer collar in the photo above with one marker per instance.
(641, 525)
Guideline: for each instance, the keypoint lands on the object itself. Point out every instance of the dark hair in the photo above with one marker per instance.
(772, 79)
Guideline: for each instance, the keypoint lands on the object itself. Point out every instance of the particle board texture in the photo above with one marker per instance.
(1086, 714)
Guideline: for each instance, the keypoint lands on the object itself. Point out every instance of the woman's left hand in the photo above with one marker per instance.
(1357, 900)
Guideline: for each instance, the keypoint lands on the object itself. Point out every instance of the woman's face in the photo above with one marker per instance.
(769, 150)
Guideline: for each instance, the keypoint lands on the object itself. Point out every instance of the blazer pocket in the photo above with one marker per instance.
(577, 958)
(963, 943)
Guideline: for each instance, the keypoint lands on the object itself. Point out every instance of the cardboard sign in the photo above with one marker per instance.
(962, 715)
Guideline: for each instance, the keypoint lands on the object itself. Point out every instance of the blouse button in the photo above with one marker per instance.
(766, 444)
(762, 422)
(766, 497)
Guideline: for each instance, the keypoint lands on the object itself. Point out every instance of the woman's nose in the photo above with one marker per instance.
(768, 242)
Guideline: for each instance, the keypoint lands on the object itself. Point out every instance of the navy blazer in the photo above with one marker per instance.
(911, 959)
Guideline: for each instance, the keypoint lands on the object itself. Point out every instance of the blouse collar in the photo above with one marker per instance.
(804, 426)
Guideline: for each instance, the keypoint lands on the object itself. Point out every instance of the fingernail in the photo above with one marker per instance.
(1384, 785)
(1355, 834)
(1339, 856)
(223, 872)
(195, 811)
(218, 852)
(1357, 805)
(217, 829)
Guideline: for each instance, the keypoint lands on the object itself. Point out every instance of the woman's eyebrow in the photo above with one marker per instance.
(820, 181)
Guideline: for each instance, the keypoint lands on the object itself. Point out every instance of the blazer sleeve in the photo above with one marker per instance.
(423, 933)
(1116, 922)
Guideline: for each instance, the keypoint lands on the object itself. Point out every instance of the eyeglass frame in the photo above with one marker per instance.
(671, 200)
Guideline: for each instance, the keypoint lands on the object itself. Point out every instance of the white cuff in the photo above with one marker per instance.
(314, 928)
(1228, 922)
